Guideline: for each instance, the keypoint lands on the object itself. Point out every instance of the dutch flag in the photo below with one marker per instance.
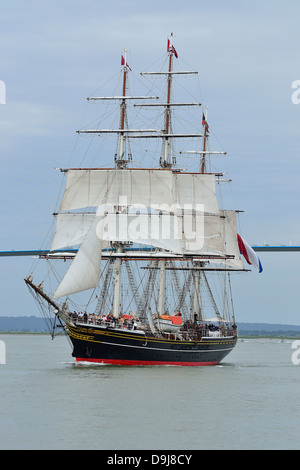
(249, 254)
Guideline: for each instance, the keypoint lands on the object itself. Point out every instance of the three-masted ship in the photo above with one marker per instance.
(148, 245)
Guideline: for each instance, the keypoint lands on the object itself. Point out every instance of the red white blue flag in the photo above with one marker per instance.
(123, 62)
(174, 52)
(249, 254)
(171, 48)
(204, 123)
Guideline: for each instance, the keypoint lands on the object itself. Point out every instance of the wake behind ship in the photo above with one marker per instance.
(149, 246)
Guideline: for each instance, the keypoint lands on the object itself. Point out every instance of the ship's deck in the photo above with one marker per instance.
(144, 330)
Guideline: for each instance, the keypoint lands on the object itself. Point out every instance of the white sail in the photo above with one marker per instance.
(85, 270)
(179, 234)
(192, 189)
(93, 188)
(71, 228)
(187, 233)
(157, 230)
(229, 234)
(199, 212)
(148, 188)
(205, 236)
(187, 221)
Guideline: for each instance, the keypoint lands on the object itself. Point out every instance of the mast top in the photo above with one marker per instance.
(166, 133)
(121, 161)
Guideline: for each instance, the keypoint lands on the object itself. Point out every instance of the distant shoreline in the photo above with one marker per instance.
(268, 337)
(24, 333)
(37, 325)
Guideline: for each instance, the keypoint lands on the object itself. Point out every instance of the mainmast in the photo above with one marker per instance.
(121, 163)
(166, 161)
(166, 134)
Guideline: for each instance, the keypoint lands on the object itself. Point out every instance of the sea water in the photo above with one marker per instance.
(250, 401)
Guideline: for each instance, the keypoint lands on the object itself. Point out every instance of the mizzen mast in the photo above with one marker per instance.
(206, 131)
(204, 152)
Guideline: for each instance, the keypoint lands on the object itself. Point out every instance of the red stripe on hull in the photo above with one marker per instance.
(122, 362)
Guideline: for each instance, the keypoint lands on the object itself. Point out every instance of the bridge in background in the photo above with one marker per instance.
(258, 248)
(276, 248)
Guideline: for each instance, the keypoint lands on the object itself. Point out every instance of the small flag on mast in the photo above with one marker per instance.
(123, 62)
(204, 123)
(174, 52)
(171, 48)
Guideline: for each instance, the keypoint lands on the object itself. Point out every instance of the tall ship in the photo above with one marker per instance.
(148, 245)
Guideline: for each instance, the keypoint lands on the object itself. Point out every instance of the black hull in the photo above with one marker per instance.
(128, 347)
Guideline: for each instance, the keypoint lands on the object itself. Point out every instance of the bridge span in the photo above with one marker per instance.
(257, 248)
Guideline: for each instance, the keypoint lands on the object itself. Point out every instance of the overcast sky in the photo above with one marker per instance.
(56, 54)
